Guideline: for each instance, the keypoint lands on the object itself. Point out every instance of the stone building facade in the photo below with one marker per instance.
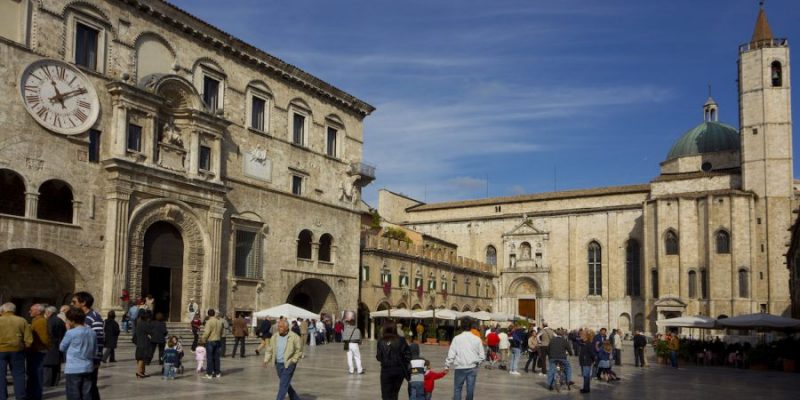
(707, 236)
(422, 273)
(142, 149)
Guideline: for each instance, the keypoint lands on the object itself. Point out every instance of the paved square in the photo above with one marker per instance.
(323, 375)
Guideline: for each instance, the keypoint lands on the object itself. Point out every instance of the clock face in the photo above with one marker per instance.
(59, 97)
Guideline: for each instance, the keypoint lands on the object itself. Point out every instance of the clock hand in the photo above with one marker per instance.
(58, 97)
(73, 93)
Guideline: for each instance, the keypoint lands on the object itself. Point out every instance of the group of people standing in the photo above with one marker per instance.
(35, 351)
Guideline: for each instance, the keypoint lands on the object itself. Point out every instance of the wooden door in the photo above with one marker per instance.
(527, 308)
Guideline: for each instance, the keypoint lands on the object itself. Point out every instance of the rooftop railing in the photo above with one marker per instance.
(761, 44)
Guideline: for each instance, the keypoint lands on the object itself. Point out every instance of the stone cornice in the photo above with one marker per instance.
(224, 42)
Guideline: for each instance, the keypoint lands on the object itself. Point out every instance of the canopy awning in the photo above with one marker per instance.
(759, 321)
(286, 310)
(445, 314)
(692, 321)
(394, 313)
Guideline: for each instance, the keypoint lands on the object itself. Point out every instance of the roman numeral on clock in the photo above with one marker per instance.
(57, 121)
(80, 115)
(32, 98)
(84, 104)
(61, 72)
(46, 73)
(42, 113)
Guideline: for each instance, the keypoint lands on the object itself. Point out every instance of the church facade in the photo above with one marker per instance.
(708, 236)
(144, 151)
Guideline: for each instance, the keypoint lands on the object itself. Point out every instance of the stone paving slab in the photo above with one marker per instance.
(322, 374)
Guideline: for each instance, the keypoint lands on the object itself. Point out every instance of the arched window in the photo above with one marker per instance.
(654, 282)
(776, 73)
(671, 243)
(743, 283)
(12, 193)
(595, 272)
(633, 269)
(723, 242)
(304, 244)
(491, 255)
(325, 243)
(703, 284)
(692, 284)
(55, 202)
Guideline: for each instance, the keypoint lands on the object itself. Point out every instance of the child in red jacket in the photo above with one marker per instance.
(430, 377)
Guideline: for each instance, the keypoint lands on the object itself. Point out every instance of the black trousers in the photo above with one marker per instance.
(638, 356)
(391, 382)
(223, 344)
(617, 356)
(109, 355)
(95, 390)
(195, 338)
(236, 342)
(532, 358)
(543, 362)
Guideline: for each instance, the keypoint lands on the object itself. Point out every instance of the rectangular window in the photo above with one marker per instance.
(297, 185)
(94, 146)
(86, 46)
(704, 284)
(134, 138)
(257, 114)
(248, 255)
(654, 283)
(365, 273)
(205, 158)
(404, 281)
(298, 133)
(432, 284)
(211, 93)
(332, 142)
(386, 277)
(417, 283)
(444, 286)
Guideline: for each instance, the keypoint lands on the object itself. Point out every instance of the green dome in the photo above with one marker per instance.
(708, 137)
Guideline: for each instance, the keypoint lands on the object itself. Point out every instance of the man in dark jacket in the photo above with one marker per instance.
(639, 343)
(557, 351)
(265, 333)
(52, 360)
(586, 358)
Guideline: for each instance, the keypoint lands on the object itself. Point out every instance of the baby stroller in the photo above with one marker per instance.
(492, 358)
(179, 348)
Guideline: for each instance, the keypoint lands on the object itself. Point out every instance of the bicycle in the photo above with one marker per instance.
(560, 376)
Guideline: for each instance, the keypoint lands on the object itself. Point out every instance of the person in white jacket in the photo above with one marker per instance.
(465, 356)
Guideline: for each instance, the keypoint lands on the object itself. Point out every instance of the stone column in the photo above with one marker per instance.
(194, 152)
(115, 273)
(120, 134)
(213, 276)
(31, 204)
(315, 254)
(216, 158)
(76, 208)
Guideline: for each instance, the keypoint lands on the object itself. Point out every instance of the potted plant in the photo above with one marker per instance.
(430, 335)
(662, 351)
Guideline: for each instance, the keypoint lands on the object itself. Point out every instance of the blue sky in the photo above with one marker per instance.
(531, 95)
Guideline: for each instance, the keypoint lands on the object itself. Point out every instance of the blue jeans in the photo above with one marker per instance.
(416, 390)
(169, 371)
(515, 353)
(465, 374)
(586, 371)
(35, 371)
(673, 357)
(212, 357)
(79, 386)
(551, 371)
(285, 375)
(16, 361)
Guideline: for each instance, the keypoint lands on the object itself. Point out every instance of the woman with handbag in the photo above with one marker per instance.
(352, 339)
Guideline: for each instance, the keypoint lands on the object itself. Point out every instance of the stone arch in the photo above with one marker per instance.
(22, 270)
(400, 305)
(466, 308)
(624, 323)
(195, 241)
(314, 295)
(454, 307)
(416, 306)
(524, 286)
(87, 8)
(382, 305)
(154, 55)
(208, 62)
(177, 92)
(55, 201)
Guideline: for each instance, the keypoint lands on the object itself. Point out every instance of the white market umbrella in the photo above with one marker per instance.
(759, 320)
(449, 315)
(286, 310)
(692, 321)
(501, 317)
(394, 313)
(479, 315)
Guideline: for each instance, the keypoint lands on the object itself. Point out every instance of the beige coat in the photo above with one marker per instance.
(292, 354)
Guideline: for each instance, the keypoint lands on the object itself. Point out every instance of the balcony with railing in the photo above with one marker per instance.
(365, 172)
(762, 44)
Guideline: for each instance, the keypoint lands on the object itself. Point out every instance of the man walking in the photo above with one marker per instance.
(264, 332)
(240, 332)
(34, 355)
(85, 301)
(15, 336)
(639, 343)
(674, 346)
(285, 350)
(597, 342)
(212, 335)
(465, 355)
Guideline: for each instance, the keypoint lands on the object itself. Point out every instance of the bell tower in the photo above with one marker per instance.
(765, 122)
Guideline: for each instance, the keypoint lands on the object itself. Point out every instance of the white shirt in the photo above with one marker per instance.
(504, 342)
(466, 351)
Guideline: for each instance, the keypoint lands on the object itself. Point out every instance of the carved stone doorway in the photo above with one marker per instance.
(162, 275)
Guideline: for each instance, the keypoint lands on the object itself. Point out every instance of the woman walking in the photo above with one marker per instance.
(352, 338)
(586, 358)
(141, 338)
(158, 335)
(111, 331)
(395, 358)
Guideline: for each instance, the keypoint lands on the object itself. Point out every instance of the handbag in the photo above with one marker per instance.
(347, 342)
